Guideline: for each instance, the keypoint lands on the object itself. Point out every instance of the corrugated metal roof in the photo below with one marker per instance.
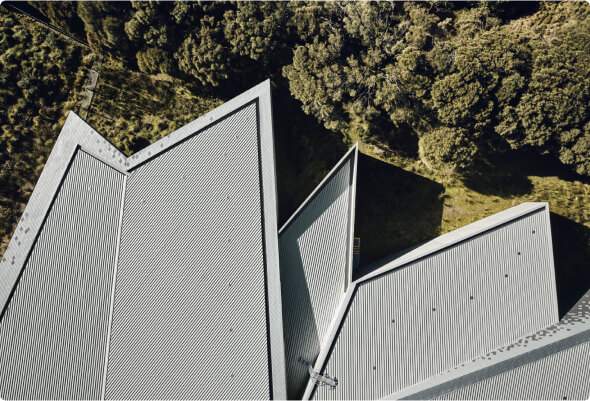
(54, 331)
(445, 303)
(507, 372)
(315, 248)
(190, 280)
(561, 375)
(168, 263)
(230, 152)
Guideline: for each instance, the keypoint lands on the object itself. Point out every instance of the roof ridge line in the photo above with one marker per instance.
(454, 237)
(326, 347)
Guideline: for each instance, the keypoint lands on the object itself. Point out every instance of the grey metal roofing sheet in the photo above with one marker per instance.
(314, 248)
(53, 333)
(455, 237)
(561, 375)
(414, 317)
(77, 134)
(187, 303)
(514, 365)
(191, 274)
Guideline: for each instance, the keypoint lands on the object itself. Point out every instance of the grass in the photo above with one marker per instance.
(461, 204)
(133, 110)
(569, 198)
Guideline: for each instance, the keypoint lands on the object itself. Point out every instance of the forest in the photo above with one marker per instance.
(449, 82)
(486, 103)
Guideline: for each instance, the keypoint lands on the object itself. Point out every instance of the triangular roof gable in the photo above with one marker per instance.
(315, 247)
(425, 252)
(76, 134)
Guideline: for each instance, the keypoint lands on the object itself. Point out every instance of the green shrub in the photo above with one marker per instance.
(447, 149)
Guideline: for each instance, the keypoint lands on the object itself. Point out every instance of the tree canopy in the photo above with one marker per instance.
(492, 77)
(38, 75)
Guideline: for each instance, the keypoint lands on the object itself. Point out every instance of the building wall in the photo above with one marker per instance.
(442, 310)
(53, 334)
(563, 375)
(190, 306)
(313, 251)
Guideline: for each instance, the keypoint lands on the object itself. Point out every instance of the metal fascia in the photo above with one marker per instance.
(270, 238)
(552, 261)
(352, 209)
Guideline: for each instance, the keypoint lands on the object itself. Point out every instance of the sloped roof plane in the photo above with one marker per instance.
(315, 247)
(53, 333)
(194, 280)
(163, 275)
(442, 304)
(518, 370)
(559, 375)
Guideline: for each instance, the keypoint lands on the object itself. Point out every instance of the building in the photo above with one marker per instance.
(164, 275)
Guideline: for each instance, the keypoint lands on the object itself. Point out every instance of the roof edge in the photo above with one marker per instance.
(203, 122)
(352, 151)
(75, 135)
(571, 331)
(454, 237)
(268, 187)
(351, 216)
(97, 145)
(437, 386)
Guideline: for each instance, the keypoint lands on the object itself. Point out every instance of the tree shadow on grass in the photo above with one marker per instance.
(501, 175)
(571, 250)
(506, 173)
(395, 209)
(305, 152)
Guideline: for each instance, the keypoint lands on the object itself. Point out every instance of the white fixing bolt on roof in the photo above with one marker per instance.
(163, 275)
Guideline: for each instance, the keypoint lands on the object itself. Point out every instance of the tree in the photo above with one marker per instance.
(552, 115)
(204, 55)
(104, 23)
(366, 68)
(152, 32)
(63, 14)
(446, 148)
